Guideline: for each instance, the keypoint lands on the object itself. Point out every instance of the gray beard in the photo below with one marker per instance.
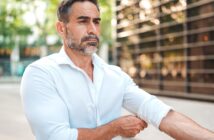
(81, 48)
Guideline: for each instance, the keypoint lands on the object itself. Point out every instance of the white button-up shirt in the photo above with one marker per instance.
(59, 97)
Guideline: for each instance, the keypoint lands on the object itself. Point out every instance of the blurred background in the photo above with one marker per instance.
(166, 46)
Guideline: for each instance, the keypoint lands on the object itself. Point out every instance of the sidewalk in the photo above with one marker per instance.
(13, 124)
(9, 80)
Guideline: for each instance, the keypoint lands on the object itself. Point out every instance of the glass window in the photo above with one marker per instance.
(151, 44)
(201, 89)
(146, 25)
(30, 52)
(178, 17)
(164, 1)
(130, 13)
(134, 39)
(148, 4)
(130, 28)
(202, 78)
(173, 66)
(171, 41)
(5, 67)
(147, 34)
(201, 37)
(202, 64)
(173, 6)
(120, 30)
(118, 2)
(123, 39)
(146, 14)
(204, 9)
(174, 87)
(207, 22)
(172, 29)
(5, 53)
(126, 61)
(204, 50)
(193, 1)
(148, 69)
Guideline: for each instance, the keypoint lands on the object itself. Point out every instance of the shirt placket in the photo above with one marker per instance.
(94, 98)
(94, 95)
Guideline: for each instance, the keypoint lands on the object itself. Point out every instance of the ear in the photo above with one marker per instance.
(60, 27)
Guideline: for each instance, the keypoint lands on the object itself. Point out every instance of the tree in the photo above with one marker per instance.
(106, 16)
(13, 25)
(12, 28)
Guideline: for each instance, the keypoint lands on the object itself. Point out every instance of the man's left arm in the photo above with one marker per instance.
(181, 127)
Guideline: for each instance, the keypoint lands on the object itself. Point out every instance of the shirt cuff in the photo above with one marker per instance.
(162, 114)
(74, 134)
(153, 110)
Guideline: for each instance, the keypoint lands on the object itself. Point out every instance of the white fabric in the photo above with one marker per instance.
(59, 97)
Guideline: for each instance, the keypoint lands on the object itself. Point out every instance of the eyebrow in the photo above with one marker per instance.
(86, 17)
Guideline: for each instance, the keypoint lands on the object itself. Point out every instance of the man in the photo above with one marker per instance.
(74, 95)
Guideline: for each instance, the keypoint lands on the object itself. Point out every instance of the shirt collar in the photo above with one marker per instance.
(63, 59)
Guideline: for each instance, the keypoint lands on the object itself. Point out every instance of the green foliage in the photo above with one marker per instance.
(106, 16)
(12, 23)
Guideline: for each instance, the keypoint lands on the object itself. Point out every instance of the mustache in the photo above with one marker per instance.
(91, 36)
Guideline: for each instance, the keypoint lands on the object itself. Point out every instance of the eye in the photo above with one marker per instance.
(82, 21)
(97, 22)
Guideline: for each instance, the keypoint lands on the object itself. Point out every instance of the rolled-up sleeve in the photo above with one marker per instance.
(144, 105)
(44, 109)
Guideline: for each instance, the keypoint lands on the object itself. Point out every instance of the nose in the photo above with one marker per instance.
(92, 28)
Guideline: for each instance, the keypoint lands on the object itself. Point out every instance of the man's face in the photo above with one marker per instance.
(83, 28)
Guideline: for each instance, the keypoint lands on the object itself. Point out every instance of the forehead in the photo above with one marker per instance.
(85, 8)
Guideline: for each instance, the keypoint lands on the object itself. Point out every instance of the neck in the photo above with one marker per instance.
(82, 61)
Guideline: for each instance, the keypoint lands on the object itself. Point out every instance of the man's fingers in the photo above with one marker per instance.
(131, 125)
(143, 124)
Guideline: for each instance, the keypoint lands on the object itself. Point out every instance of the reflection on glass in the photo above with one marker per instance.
(201, 37)
(200, 51)
(173, 11)
(175, 43)
(148, 14)
(193, 1)
(172, 29)
(126, 62)
(127, 15)
(5, 52)
(207, 22)
(147, 34)
(202, 78)
(171, 40)
(151, 44)
(178, 17)
(202, 64)
(127, 2)
(148, 69)
(173, 6)
(201, 89)
(173, 68)
(201, 10)
(149, 25)
(30, 52)
(134, 39)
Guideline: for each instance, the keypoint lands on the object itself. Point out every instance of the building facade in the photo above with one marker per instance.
(167, 46)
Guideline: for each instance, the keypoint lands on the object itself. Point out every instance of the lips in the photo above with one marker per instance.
(91, 40)
(92, 44)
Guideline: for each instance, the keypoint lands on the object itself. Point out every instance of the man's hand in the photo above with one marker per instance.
(129, 126)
